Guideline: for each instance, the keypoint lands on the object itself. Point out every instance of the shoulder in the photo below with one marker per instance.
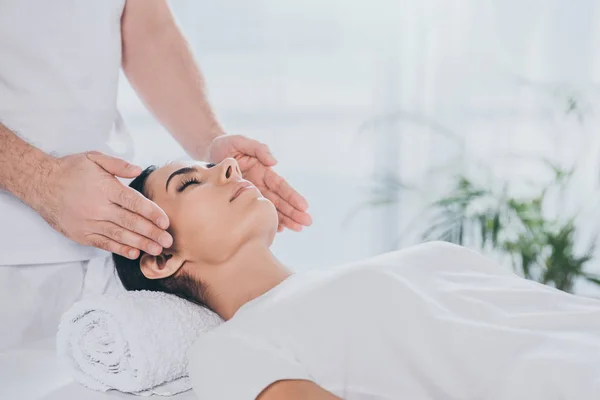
(426, 258)
(435, 252)
(432, 250)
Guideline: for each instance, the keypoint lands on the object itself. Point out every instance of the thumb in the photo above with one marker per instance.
(254, 148)
(114, 165)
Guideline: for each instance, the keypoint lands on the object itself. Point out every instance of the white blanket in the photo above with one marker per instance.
(134, 342)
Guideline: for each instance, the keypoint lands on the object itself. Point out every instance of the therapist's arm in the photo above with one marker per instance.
(296, 390)
(160, 67)
(21, 166)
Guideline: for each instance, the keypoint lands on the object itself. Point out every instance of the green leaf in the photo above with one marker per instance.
(593, 280)
(482, 226)
(495, 229)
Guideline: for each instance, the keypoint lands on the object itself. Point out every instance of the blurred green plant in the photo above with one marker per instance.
(541, 248)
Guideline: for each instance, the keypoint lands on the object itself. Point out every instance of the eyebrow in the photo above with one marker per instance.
(181, 171)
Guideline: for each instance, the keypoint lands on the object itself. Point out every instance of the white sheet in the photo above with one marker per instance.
(33, 373)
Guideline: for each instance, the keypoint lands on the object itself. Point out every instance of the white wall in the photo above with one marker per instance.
(307, 77)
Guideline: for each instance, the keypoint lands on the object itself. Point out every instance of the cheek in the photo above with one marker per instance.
(204, 220)
(207, 231)
(214, 233)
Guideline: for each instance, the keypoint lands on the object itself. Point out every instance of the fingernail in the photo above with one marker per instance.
(154, 249)
(165, 240)
(133, 254)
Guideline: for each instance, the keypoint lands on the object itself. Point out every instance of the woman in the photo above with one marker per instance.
(433, 322)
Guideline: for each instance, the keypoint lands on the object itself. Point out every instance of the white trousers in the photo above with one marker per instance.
(33, 297)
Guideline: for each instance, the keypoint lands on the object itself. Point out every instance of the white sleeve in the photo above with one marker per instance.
(235, 367)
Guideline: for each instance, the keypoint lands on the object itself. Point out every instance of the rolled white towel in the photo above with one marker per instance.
(134, 342)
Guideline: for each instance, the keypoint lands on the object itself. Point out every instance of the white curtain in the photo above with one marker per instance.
(346, 92)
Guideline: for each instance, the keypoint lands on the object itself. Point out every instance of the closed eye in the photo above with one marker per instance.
(187, 182)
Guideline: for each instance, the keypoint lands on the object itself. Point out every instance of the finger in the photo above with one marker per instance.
(288, 223)
(104, 243)
(138, 204)
(280, 228)
(137, 224)
(255, 149)
(114, 165)
(281, 188)
(286, 209)
(129, 238)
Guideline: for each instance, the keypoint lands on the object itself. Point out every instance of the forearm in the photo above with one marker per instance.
(22, 167)
(296, 390)
(162, 70)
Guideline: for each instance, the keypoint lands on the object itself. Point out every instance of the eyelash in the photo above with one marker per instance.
(187, 182)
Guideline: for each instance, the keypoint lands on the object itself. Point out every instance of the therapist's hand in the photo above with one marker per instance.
(81, 198)
(256, 162)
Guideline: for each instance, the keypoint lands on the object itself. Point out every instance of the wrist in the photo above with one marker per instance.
(202, 149)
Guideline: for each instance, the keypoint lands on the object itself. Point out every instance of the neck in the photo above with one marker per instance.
(251, 272)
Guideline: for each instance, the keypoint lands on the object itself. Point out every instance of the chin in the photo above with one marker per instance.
(262, 220)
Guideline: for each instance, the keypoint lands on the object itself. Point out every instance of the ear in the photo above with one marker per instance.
(161, 266)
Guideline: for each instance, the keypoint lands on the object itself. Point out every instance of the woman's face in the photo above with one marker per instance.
(212, 210)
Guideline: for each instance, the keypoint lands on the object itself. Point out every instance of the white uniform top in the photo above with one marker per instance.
(433, 322)
(59, 69)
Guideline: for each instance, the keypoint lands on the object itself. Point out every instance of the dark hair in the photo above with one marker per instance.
(180, 284)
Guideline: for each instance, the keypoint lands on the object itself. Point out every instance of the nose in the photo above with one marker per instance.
(229, 170)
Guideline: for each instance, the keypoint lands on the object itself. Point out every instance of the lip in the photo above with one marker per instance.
(239, 188)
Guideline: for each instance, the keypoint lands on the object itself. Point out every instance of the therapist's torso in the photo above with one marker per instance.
(59, 74)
